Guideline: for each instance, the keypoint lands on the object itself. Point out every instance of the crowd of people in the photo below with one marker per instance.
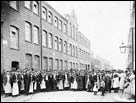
(29, 81)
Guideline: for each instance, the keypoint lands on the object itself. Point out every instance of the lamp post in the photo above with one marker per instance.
(124, 47)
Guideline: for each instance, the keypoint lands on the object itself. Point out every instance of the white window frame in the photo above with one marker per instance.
(50, 40)
(36, 35)
(44, 13)
(50, 17)
(14, 40)
(60, 24)
(13, 4)
(44, 38)
(56, 43)
(36, 9)
(27, 4)
(56, 21)
(28, 31)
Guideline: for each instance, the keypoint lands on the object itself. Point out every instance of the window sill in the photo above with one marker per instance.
(17, 10)
(36, 44)
(14, 49)
(28, 9)
(44, 19)
(36, 14)
(28, 41)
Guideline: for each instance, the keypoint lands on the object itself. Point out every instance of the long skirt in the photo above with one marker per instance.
(35, 86)
(15, 90)
(31, 87)
(74, 85)
(22, 85)
(43, 85)
(60, 85)
(87, 84)
(66, 83)
(7, 88)
(95, 89)
(121, 83)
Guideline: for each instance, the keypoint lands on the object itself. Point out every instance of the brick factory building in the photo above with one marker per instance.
(35, 35)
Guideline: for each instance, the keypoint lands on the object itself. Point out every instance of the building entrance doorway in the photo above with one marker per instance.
(15, 65)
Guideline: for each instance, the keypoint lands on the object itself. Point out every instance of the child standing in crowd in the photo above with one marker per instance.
(95, 89)
(102, 87)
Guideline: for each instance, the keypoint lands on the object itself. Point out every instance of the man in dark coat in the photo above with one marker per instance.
(19, 81)
(27, 82)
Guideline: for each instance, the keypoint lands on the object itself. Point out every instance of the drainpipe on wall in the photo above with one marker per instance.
(41, 55)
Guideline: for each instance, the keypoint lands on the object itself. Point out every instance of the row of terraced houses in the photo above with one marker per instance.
(35, 35)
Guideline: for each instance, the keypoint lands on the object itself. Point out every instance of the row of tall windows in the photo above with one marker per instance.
(47, 63)
(46, 15)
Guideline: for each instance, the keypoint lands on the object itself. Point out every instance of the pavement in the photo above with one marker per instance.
(63, 96)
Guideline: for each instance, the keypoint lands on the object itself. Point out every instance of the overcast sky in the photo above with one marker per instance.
(104, 23)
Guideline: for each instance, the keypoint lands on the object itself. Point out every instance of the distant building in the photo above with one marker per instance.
(99, 63)
(35, 35)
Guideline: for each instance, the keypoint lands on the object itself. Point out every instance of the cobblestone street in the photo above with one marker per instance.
(63, 96)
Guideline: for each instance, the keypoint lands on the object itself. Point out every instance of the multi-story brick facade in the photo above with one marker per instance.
(131, 39)
(35, 35)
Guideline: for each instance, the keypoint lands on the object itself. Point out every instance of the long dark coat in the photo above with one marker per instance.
(27, 83)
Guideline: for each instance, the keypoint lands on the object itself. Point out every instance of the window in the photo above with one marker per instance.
(60, 44)
(50, 41)
(35, 7)
(61, 65)
(28, 33)
(65, 65)
(65, 47)
(70, 49)
(70, 65)
(45, 63)
(57, 64)
(70, 30)
(13, 4)
(36, 34)
(44, 13)
(60, 25)
(76, 52)
(50, 17)
(65, 28)
(73, 50)
(73, 32)
(56, 43)
(76, 66)
(50, 64)
(44, 38)
(36, 62)
(28, 61)
(73, 65)
(14, 36)
(28, 4)
(56, 21)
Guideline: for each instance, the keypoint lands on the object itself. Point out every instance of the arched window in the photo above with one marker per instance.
(44, 13)
(35, 7)
(28, 31)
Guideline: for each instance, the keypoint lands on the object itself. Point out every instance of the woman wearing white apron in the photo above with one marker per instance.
(43, 83)
(15, 90)
(122, 81)
(31, 84)
(116, 83)
(35, 82)
(95, 89)
(66, 83)
(22, 83)
(7, 84)
(60, 85)
(74, 85)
